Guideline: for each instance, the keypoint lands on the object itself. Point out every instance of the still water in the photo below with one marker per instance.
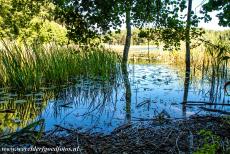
(146, 92)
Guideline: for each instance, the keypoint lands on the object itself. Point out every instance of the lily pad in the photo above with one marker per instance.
(38, 100)
(43, 88)
(16, 120)
(5, 98)
(2, 92)
(12, 95)
(2, 102)
(29, 95)
(39, 94)
(20, 101)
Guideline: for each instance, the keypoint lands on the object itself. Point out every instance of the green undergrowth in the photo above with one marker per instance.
(212, 143)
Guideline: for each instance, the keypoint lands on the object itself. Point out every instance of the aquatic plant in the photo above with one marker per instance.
(30, 67)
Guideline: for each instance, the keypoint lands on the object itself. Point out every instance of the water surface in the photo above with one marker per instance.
(151, 91)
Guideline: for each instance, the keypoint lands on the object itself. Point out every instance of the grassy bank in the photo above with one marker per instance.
(30, 67)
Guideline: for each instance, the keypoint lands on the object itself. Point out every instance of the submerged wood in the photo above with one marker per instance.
(215, 110)
(204, 103)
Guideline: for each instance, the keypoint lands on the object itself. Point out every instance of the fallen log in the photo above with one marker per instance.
(215, 110)
(203, 103)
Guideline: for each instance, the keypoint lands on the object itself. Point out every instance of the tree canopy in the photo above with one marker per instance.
(86, 19)
(161, 21)
(30, 20)
(223, 9)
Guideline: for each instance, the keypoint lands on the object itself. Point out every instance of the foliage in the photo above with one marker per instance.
(223, 6)
(85, 20)
(88, 19)
(16, 15)
(211, 143)
(138, 38)
(30, 21)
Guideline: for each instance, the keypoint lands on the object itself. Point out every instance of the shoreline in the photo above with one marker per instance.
(156, 136)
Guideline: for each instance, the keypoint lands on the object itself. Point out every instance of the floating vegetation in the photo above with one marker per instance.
(20, 101)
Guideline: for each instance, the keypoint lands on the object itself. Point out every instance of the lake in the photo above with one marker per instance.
(152, 91)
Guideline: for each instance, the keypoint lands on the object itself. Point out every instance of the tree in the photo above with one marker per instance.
(30, 21)
(128, 4)
(128, 92)
(15, 15)
(88, 19)
(187, 36)
(223, 8)
(161, 14)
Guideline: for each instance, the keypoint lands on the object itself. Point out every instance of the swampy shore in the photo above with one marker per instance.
(197, 134)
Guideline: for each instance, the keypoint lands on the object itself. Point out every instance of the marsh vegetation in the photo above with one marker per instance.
(69, 76)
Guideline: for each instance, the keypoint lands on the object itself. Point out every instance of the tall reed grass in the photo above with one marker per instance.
(209, 54)
(29, 67)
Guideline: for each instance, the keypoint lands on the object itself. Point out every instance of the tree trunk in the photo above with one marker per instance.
(187, 35)
(128, 35)
(187, 57)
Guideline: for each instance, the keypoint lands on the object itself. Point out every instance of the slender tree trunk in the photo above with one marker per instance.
(187, 57)
(148, 50)
(128, 29)
(187, 35)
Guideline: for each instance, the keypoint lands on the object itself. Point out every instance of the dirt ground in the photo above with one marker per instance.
(146, 136)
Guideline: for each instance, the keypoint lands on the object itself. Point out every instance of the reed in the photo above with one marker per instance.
(209, 55)
(30, 67)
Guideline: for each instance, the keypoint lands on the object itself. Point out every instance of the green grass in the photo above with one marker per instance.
(30, 67)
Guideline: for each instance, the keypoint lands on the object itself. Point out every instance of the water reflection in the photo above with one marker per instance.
(18, 111)
(185, 96)
(128, 94)
(140, 92)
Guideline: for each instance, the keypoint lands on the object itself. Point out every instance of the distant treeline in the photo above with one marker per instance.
(136, 39)
(139, 39)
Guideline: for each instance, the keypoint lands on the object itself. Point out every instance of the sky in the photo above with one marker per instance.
(213, 24)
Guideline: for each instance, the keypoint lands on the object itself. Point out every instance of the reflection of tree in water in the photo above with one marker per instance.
(217, 82)
(185, 96)
(216, 79)
(212, 87)
(127, 92)
(18, 113)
